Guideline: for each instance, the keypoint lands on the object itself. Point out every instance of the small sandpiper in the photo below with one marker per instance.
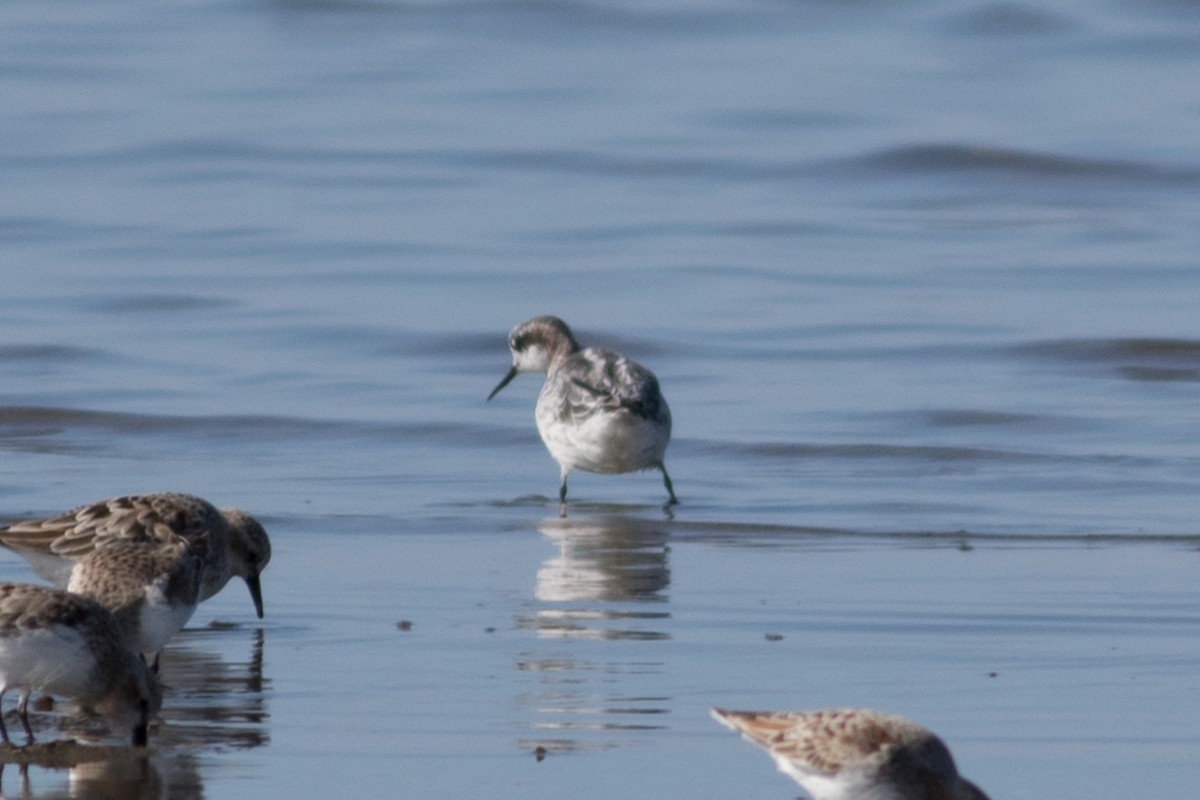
(64, 644)
(235, 542)
(598, 411)
(854, 754)
(150, 587)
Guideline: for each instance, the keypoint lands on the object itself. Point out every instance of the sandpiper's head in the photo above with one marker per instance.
(250, 549)
(134, 699)
(536, 344)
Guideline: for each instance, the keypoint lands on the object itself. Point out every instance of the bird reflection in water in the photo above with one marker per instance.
(214, 700)
(160, 776)
(114, 772)
(607, 583)
(608, 558)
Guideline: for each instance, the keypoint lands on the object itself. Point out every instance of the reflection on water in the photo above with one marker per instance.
(154, 774)
(212, 700)
(604, 558)
(592, 594)
(209, 702)
(164, 774)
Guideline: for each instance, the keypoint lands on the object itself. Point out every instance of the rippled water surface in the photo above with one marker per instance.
(919, 279)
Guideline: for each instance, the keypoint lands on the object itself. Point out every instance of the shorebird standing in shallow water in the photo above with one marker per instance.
(61, 643)
(854, 754)
(598, 411)
(234, 543)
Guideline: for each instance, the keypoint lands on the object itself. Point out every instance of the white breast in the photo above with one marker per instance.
(55, 659)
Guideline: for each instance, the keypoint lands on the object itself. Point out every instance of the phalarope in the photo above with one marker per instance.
(598, 411)
(236, 544)
(854, 754)
(61, 643)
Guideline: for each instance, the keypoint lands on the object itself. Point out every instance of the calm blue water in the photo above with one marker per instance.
(920, 281)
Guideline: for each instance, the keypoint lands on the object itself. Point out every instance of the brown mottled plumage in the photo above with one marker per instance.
(150, 587)
(60, 643)
(855, 754)
(235, 543)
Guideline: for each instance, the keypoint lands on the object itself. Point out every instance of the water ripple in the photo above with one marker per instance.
(953, 157)
(156, 303)
(569, 16)
(1010, 19)
(740, 534)
(39, 353)
(879, 451)
(1138, 359)
(25, 422)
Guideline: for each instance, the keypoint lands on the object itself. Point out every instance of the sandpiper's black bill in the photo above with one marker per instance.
(512, 373)
(255, 594)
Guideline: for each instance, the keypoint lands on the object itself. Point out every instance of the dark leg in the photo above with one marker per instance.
(23, 711)
(562, 496)
(3, 728)
(667, 483)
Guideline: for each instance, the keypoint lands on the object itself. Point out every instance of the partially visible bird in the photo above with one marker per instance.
(64, 644)
(854, 754)
(235, 542)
